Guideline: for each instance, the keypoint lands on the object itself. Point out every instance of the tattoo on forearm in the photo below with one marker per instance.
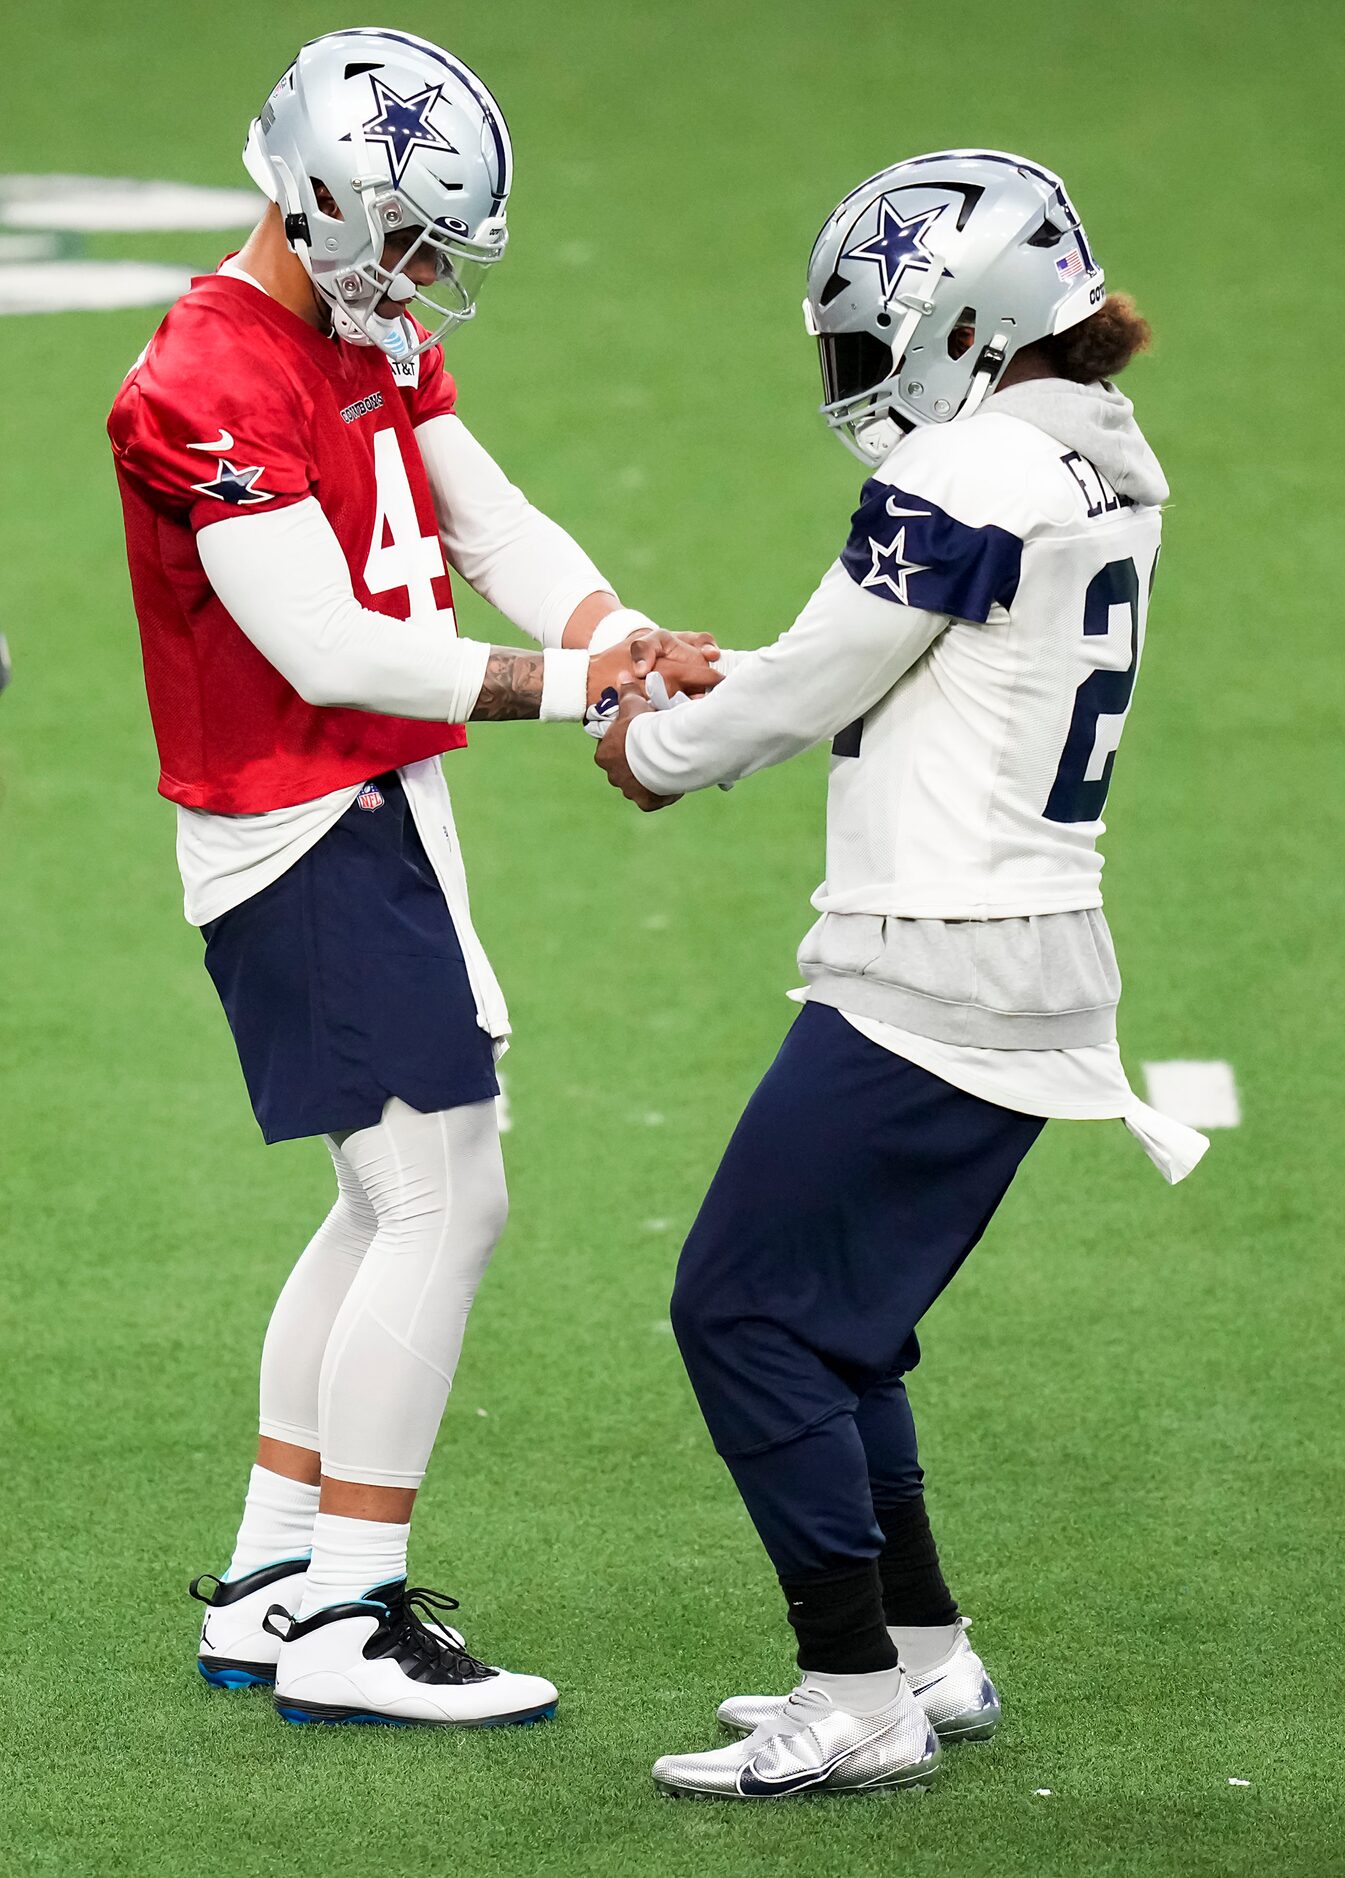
(512, 686)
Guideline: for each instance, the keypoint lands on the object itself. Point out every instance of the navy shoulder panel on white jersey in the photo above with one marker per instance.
(905, 547)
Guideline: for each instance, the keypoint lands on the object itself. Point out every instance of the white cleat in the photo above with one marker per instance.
(811, 1746)
(235, 1651)
(388, 1659)
(956, 1694)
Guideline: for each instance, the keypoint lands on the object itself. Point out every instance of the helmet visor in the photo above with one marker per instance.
(852, 363)
(460, 265)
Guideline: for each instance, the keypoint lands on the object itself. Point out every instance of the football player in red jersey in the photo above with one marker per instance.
(295, 483)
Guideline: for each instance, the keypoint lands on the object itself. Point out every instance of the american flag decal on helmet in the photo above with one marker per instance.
(370, 797)
(1070, 264)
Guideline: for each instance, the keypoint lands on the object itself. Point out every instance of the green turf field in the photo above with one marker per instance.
(1131, 1399)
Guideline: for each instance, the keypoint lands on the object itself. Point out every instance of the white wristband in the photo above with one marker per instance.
(612, 628)
(564, 686)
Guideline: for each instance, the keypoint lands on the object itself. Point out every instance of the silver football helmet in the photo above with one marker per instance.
(964, 239)
(406, 140)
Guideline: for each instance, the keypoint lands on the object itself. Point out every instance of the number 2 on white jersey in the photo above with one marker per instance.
(1113, 621)
(399, 555)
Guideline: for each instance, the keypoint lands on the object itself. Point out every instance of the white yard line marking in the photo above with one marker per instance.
(1203, 1095)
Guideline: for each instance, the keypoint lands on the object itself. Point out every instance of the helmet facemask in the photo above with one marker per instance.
(461, 258)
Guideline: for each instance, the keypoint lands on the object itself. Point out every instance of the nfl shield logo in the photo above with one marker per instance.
(369, 797)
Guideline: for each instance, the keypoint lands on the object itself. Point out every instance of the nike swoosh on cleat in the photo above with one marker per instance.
(223, 444)
(753, 1783)
(794, 1783)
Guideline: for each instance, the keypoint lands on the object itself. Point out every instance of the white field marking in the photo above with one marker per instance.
(1233, 1781)
(503, 1113)
(20, 250)
(656, 1225)
(652, 1119)
(1203, 1095)
(655, 922)
(89, 286)
(483, 1413)
(1042, 1793)
(122, 204)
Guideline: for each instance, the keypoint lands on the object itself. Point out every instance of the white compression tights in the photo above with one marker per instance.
(362, 1344)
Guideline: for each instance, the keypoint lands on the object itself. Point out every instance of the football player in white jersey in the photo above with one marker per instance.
(971, 654)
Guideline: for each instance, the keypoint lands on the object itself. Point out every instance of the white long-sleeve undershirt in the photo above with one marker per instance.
(514, 556)
(844, 651)
(284, 580)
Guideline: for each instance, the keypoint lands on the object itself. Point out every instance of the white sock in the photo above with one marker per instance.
(351, 1557)
(924, 1647)
(857, 1695)
(278, 1516)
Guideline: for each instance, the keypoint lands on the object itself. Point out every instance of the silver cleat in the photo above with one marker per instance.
(811, 1747)
(957, 1695)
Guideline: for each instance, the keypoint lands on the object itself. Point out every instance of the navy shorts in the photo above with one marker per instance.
(344, 983)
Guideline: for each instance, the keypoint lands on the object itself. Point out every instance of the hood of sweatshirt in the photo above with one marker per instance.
(1096, 420)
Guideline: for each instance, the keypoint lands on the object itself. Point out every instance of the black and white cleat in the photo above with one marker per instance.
(389, 1658)
(235, 1651)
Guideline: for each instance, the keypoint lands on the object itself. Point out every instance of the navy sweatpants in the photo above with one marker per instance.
(853, 1188)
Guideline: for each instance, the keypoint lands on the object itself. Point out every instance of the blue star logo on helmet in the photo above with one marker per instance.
(402, 125)
(898, 243)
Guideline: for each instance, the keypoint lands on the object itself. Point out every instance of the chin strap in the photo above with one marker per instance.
(994, 355)
(389, 336)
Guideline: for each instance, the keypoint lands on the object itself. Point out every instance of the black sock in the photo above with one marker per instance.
(914, 1593)
(838, 1618)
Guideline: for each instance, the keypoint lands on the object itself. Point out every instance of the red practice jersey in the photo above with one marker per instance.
(239, 406)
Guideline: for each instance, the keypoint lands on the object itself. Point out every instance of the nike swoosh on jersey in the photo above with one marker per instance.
(221, 444)
(893, 510)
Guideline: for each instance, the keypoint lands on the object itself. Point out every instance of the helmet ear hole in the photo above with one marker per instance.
(326, 201)
(963, 335)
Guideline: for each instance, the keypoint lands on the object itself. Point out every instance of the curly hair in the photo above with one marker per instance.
(1100, 346)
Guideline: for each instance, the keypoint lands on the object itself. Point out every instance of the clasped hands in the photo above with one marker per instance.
(684, 661)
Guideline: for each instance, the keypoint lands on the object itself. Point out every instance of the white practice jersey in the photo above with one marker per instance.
(974, 788)
(970, 657)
